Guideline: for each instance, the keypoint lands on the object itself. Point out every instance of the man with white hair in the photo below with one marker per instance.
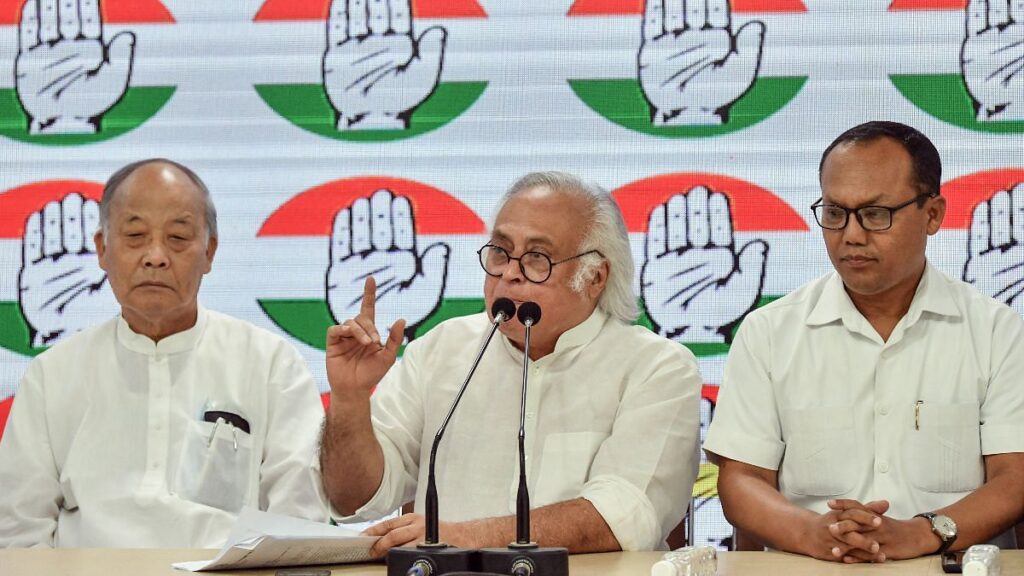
(612, 421)
(155, 428)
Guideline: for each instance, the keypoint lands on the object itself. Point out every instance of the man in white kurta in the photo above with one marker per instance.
(609, 417)
(106, 445)
(876, 413)
(612, 410)
(155, 428)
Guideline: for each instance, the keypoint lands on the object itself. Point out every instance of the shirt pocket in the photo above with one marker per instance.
(565, 465)
(820, 451)
(943, 452)
(214, 465)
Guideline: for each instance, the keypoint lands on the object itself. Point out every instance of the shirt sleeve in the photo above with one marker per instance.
(642, 476)
(1002, 428)
(397, 415)
(290, 481)
(746, 426)
(32, 496)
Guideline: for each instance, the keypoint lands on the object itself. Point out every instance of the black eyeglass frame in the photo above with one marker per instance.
(860, 219)
(519, 260)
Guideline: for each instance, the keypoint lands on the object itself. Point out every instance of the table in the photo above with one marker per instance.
(106, 562)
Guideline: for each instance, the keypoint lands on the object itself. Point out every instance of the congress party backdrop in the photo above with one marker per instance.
(344, 136)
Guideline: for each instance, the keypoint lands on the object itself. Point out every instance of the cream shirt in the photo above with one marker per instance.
(106, 444)
(612, 416)
(811, 390)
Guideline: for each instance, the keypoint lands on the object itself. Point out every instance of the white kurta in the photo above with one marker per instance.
(612, 416)
(812, 391)
(106, 444)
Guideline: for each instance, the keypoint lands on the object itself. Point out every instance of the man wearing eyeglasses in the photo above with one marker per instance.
(878, 412)
(612, 423)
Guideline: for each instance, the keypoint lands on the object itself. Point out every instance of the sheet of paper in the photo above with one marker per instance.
(261, 539)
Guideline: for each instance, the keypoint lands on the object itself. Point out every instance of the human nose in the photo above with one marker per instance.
(854, 232)
(155, 255)
(513, 271)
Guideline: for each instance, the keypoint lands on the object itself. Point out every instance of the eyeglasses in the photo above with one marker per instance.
(870, 218)
(536, 267)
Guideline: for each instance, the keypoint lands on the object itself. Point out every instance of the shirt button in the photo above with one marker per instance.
(883, 410)
(529, 415)
(883, 467)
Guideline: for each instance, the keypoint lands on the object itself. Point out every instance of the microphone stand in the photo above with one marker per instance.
(433, 557)
(523, 557)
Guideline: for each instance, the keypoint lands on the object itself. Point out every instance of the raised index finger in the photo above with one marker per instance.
(69, 22)
(401, 17)
(977, 17)
(337, 22)
(89, 14)
(28, 28)
(369, 305)
(654, 22)
(718, 13)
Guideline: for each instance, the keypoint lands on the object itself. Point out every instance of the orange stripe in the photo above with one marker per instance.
(754, 209)
(17, 203)
(317, 9)
(113, 12)
(312, 212)
(634, 7)
(964, 193)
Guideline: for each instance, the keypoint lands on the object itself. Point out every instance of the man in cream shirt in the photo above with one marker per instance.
(878, 412)
(155, 428)
(612, 423)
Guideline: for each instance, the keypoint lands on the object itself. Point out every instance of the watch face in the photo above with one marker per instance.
(945, 526)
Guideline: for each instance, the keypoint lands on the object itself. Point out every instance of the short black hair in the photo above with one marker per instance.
(924, 157)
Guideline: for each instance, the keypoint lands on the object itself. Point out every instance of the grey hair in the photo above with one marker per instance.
(114, 183)
(605, 232)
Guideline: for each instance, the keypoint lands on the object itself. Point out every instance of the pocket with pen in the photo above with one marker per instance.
(214, 465)
(943, 450)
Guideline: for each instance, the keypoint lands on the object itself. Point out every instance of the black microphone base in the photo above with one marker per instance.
(536, 561)
(440, 559)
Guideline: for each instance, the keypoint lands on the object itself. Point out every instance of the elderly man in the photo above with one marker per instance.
(612, 409)
(155, 428)
(875, 413)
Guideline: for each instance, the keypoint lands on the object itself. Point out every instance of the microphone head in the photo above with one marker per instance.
(529, 312)
(503, 309)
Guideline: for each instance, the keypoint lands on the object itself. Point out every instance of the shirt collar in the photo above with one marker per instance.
(180, 342)
(579, 335)
(933, 295)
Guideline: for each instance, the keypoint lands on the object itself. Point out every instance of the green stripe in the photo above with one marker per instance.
(138, 105)
(945, 97)
(14, 332)
(623, 102)
(307, 106)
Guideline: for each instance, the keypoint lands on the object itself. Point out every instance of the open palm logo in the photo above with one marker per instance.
(72, 79)
(400, 231)
(60, 288)
(986, 94)
(698, 71)
(382, 69)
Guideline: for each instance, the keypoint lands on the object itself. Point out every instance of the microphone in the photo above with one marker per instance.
(433, 557)
(523, 557)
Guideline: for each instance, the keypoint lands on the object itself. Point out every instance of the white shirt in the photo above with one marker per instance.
(106, 444)
(812, 391)
(612, 417)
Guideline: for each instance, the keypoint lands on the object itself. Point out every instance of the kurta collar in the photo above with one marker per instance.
(180, 342)
(579, 335)
(933, 295)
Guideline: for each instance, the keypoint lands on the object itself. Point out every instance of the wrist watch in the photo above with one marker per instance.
(943, 526)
